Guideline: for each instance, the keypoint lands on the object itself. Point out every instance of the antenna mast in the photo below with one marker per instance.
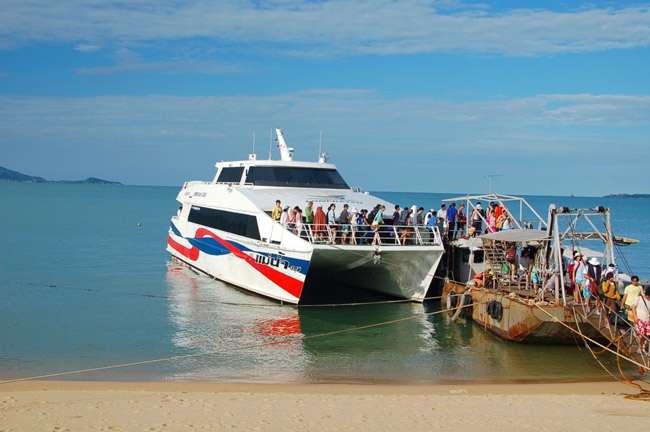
(320, 144)
(490, 177)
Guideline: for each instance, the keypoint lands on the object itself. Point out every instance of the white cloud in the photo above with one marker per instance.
(87, 48)
(166, 67)
(335, 27)
(166, 139)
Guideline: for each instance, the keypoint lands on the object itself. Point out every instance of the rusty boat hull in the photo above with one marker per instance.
(523, 321)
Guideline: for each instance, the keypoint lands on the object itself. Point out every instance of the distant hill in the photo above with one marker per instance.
(627, 196)
(7, 175)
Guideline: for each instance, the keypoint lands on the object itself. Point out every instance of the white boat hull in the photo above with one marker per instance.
(404, 272)
(252, 265)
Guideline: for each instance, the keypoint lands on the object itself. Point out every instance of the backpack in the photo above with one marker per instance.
(371, 216)
(404, 217)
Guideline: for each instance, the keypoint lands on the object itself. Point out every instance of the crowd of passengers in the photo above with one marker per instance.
(589, 281)
(495, 216)
(591, 284)
(352, 226)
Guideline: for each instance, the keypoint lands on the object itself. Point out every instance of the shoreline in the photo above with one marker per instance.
(605, 386)
(180, 406)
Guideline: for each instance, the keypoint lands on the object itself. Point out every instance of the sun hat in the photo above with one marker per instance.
(594, 261)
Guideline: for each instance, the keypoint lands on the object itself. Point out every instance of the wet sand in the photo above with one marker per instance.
(174, 406)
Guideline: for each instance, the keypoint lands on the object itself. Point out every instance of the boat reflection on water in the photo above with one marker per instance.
(233, 329)
(252, 339)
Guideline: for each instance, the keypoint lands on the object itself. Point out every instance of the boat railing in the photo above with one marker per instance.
(633, 341)
(362, 235)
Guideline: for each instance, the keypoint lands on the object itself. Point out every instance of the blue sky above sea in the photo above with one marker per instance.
(409, 95)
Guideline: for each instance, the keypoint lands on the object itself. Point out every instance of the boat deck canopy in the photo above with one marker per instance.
(517, 235)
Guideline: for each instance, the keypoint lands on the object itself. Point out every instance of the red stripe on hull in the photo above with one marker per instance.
(291, 285)
(191, 253)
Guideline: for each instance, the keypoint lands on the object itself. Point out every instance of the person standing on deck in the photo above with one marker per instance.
(354, 222)
(442, 215)
(461, 220)
(631, 293)
(641, 316)
(571, 275)
(427, 216)
(376, 224)
(320, 224)
(284, 217)
(276, 213)
(404, 218)
(297, 227)
(584, 283)
(419, 218)
(594, 277)
(498, 211)
(309, 213)
(610, 294)
(414, 215)
(292, 217)
(477, 222)
(395, 224)
(505, 226)
(396, 215)
(344, 220)
(331, 221)
(452, 212)
(579, 278)
(526, 264)
(511, 259)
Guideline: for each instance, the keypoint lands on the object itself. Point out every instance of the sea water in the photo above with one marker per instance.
(85, 282)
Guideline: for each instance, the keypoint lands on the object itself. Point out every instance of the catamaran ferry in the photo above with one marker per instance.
(225, 229)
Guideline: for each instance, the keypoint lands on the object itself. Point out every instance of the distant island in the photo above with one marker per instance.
(627, 196)
(7, 175)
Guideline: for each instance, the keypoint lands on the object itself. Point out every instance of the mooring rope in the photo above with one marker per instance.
(278, 304)
(644, 394)
(251, 346)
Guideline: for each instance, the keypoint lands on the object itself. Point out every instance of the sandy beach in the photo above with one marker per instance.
(174, 406)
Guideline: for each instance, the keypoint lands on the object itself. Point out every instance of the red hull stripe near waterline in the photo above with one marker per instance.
(191, 253)
(291, 285)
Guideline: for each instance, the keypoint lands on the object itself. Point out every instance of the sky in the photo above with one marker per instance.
(553, 98)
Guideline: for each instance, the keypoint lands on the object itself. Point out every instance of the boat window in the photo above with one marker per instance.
(230, 175)
(296, 177)
(478, 256)
(235, 223)
(464, 255)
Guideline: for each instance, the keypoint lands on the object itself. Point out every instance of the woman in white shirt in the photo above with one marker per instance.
(641, 313)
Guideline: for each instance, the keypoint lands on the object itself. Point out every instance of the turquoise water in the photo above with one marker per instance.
(85, 282)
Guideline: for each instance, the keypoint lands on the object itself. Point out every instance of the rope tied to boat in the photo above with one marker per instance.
(250, 346)
(644, 394)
